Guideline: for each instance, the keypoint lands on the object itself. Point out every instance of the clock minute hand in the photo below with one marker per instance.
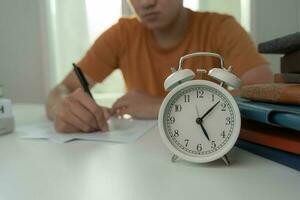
(199, 121)
(209, 110)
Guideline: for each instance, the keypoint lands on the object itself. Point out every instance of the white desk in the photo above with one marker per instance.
(85, 170)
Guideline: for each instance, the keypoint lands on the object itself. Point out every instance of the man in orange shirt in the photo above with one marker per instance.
(145, 48)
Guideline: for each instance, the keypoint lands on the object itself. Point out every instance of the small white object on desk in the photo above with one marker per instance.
(7, 124)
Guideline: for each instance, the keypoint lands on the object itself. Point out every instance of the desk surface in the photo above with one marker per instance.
(39, 169)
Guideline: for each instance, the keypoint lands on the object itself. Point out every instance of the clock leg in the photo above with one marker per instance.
(226, 160)
(174, 158)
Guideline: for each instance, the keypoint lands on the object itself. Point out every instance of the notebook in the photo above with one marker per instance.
(287, 116)
(271, 136)
(288, 159)
(120, 130)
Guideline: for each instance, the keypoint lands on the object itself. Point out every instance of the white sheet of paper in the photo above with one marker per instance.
(120, 130)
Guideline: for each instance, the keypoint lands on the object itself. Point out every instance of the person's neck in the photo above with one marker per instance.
(171, 35)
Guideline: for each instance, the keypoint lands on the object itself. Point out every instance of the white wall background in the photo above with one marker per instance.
(68, 37)
(37, 49)
(21, 50)
(26, 31)
(272, 19)
(223, 6)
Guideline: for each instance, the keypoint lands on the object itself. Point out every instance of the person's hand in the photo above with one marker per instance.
(137, 104)
(79, 113)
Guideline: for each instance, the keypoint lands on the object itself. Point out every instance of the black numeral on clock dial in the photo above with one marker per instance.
(213, 144)
(200, 93)
(223, 134)
(172, 120)
(223, 107)
(228, 120)
(178, 108)
(176, 133)
(186, 98)
(186, 142)
(199, 147)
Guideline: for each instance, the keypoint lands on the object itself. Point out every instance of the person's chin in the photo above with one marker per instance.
(153, 25)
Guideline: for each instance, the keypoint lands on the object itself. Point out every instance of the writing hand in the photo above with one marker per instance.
(79, 113)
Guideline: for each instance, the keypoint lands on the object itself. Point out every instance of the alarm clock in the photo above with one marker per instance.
(6, 117)
(199, 120)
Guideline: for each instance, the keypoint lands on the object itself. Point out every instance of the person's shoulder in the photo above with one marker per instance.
(129, 22)
(128, 29)
(212, 17)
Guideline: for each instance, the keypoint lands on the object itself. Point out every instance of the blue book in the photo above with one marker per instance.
(282, 157)
(287, 116)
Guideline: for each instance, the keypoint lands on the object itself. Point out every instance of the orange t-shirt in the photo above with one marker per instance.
(131, 47)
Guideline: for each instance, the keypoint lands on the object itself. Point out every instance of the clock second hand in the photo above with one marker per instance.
(199, 121)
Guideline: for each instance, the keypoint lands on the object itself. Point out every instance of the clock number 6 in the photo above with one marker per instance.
(199, 147)
(213, 144)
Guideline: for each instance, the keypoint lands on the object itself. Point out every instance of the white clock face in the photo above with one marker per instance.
(200, 120)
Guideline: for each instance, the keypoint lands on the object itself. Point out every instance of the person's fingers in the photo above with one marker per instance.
(91, 105)
(119, 111)
(93, 108)
(74, 121)
(65, 114)
(118, 105)
(83, 114)
(107, 112)
(101, 120)
(64, 127)
(78, 123)
(124, 112)
(85, 100)
(64, 124)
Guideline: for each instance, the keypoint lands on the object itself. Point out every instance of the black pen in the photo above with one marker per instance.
(82, 80)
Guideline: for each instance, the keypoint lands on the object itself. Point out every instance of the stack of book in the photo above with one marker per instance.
(289, 47)
(271, 130)
(271, 112)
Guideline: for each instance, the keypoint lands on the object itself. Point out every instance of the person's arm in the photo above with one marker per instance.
(240, 52)
(257, 75)
(68, 105)
(72, 110)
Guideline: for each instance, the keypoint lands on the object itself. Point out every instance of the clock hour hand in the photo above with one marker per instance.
(204, 131)
(199, 121)
(209, 110)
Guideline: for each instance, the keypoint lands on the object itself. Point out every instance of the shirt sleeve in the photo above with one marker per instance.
(237, 47)
(103, 57)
